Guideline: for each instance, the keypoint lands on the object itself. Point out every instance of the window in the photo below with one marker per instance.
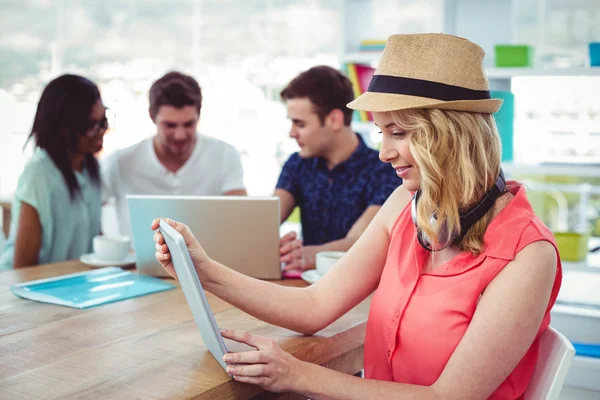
(242, 53)
(560, 30)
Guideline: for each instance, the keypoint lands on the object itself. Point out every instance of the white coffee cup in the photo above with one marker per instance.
(327, 259)
(111, 248)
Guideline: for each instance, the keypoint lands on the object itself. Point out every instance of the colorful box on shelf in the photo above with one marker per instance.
(572, 246)
(505, 119)
(370, 42)
(587, 350)
(513, 55)
(371, 48)
(594, 54)
(360, 75)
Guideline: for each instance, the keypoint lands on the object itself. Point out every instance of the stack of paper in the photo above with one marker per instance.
(372, 45)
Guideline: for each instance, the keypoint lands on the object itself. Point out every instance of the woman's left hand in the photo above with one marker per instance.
(270, 367)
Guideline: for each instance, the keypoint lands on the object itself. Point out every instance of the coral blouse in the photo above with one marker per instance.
(417, 319)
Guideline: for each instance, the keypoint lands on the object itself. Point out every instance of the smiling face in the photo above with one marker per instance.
(176, 130)
(395, 150)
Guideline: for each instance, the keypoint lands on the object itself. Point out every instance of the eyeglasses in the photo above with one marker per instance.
(96, 127)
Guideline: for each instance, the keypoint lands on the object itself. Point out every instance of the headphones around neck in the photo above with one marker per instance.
(467, 220)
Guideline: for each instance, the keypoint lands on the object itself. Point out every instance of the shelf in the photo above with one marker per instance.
(580, 188)
(557, 169)
(507, 73)
(583, 374)
(583, 170)
(362, 57)
(566, 169)
(372, 57)
(363, 127)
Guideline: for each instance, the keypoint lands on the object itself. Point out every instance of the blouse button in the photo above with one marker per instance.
(397, 313)
(389, 353)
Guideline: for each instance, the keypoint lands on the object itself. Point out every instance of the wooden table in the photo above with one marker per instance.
(142, 348)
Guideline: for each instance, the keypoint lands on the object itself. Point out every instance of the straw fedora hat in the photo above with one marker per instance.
(429, 71)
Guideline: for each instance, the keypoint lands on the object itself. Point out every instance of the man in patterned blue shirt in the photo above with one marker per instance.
(336, 180)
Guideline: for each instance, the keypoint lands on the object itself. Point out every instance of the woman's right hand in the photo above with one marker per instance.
(197, 253)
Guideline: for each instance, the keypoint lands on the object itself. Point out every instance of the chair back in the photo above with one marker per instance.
(554, 358)
(5, 208)
(2, 240)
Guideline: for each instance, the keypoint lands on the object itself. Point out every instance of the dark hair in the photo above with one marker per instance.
(62, 116)
(175, 89)
(325, 87)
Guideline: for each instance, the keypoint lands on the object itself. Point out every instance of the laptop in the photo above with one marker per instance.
(239, 232)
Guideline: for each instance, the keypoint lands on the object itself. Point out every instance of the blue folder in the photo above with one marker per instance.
(587, 350)
(90, 288)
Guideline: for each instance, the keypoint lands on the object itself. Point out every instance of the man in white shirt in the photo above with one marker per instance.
(175, 161)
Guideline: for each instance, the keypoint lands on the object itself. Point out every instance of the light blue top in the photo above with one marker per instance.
(68, 226)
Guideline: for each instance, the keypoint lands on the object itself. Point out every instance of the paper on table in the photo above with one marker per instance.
(90, 288)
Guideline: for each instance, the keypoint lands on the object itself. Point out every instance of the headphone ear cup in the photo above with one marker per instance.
(413, 208)
(423, 239)
(466, 220)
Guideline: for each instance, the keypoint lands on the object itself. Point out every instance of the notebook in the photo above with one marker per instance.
(90, 288)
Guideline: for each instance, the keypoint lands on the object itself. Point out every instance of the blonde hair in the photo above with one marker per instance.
(458, 154)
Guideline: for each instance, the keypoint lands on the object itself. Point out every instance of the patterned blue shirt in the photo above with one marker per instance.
(331, 201)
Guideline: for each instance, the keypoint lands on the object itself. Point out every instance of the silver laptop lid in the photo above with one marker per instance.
(239, 232)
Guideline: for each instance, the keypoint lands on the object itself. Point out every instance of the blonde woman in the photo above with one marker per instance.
(464, 273)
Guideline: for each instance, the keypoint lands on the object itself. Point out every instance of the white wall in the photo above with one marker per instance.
(485, 22)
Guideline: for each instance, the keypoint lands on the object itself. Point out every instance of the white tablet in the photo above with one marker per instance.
(194, 293)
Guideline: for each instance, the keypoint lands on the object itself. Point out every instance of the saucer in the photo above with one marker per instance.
(92, 260)
(311, 276)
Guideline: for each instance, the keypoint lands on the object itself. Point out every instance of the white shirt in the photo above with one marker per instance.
(213, 169)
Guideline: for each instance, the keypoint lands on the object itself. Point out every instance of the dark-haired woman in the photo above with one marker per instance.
(57, 203)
